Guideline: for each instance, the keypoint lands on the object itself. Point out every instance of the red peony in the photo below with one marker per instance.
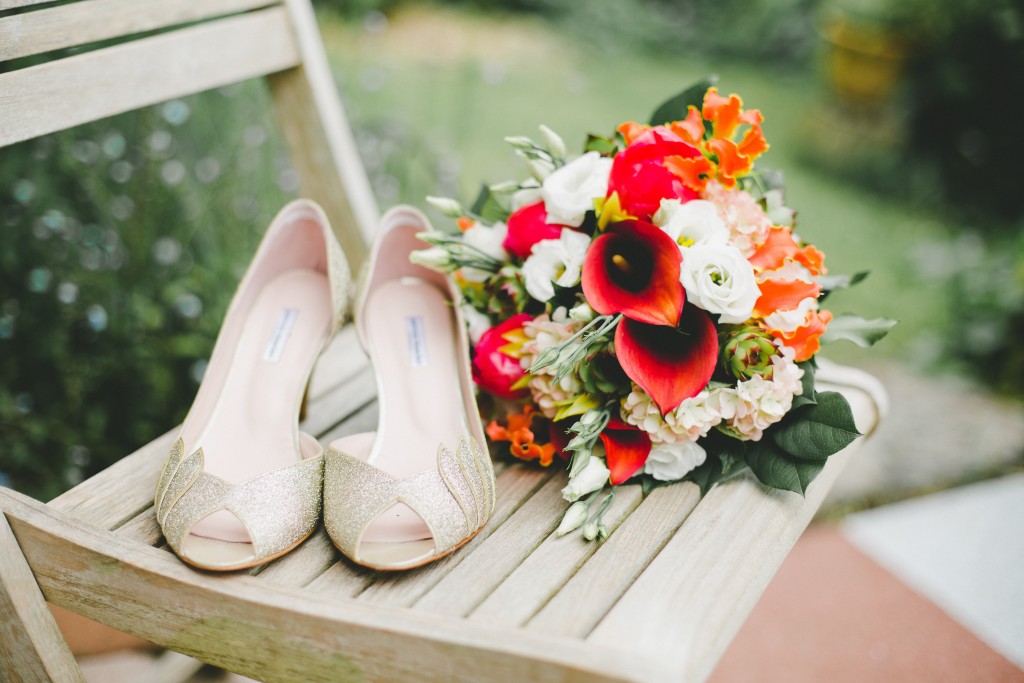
(494, 370)
(639, 175)
(526, 227)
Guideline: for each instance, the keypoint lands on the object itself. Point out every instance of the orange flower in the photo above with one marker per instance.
(725, 158)
(783, 295)
(805, 340)
(781, 247)
(631, 130)
(521, 437)
(690, 129)
(465, 223)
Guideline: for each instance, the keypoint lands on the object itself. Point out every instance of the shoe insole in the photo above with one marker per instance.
(409, 329)
(253, 426)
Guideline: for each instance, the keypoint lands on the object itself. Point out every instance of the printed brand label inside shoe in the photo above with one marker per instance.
(417, 340)
(279, 337)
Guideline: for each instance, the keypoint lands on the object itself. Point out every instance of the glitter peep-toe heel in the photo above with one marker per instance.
(242, 485)
(422, 484)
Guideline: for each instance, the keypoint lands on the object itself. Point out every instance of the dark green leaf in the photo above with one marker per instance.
(775, 468)
(488, 207)
(817, 431)
(807, 381)
(853, 328)
(706, 475)
(677, 107)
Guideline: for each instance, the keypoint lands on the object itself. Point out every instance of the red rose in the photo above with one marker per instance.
(494, 370)
(526, 227)
(640, 177)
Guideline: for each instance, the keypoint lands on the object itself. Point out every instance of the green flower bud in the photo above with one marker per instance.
(748, 351)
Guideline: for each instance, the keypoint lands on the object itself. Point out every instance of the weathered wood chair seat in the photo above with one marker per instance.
(659, 600)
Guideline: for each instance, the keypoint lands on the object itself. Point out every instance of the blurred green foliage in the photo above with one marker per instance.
(122, 243)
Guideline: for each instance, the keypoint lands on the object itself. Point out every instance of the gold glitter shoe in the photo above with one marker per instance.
(242, 485)
(422, 484)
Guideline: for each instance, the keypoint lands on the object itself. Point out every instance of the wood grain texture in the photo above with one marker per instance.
(122, 491)
(12, 4)
(31, 646)
(515, 484)
(324, 152)
(273, 632)
(609, 573)
(540, 576)
(715, 568)
(60, 94)
(302, 565)
(479, 573)
(88, 21)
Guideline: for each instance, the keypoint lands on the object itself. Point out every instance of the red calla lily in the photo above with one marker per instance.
(626, 449)
(671, 364)
(639, 174)
(527, 226)
(633, 269)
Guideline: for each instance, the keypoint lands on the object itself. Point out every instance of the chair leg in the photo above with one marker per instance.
(31, 646)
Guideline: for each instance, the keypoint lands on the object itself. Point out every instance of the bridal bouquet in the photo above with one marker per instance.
(647, 311)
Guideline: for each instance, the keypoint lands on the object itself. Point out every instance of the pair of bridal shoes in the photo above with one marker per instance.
(243, 485)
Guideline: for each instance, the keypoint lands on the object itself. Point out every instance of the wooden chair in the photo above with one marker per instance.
(659, 600)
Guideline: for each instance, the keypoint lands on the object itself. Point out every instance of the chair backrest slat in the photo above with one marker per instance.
(12, 4)
(88, 21)
(93, 85)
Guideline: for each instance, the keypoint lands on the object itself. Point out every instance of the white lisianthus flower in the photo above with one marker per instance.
(476, 323)
(591, 478)
(555, 261)
(672, 461)
(720, 280)
(528, 193)
(489, 241)
(573, 518)
(570, 191)
(693, 222)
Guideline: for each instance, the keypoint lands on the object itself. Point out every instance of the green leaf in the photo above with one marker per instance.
(817, 431)
(775, 468)
(830, 283)
(807, 381)
(853, 328)
(706, 475)
(601, 145)
(677, 107)
(488, 207)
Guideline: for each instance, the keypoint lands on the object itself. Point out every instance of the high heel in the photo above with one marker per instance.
(242, 485)
(422, 484)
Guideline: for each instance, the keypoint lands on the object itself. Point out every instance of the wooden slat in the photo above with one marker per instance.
(515, 484)
(323, 150)
(67, 92)
(31, 647)
(278, 633)
(305, 563)
(600, 582)
(341, 402)
(716, 567)
(89, 21)
(342, 359)
(470, 581)
(120, 492)
(548, 568)
(11, 4)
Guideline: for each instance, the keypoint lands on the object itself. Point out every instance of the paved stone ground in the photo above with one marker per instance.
(941, 431)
